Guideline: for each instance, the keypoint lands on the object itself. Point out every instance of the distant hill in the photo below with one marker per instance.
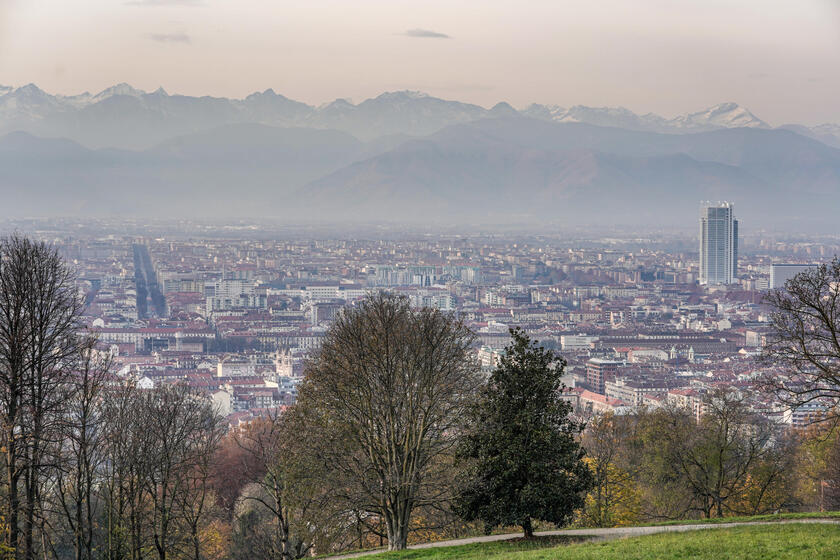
(511, 169)
(234, 170)
(580, 173)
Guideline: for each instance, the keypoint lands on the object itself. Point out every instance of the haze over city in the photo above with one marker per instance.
(283, 280)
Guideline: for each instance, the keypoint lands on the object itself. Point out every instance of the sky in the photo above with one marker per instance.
(779, 58)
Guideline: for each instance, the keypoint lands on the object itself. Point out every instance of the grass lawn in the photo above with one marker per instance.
(762, 542)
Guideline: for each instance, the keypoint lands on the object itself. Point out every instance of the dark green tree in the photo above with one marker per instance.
(522, 459)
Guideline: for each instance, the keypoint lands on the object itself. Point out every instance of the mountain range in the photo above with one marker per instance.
(404, 156)
(104, 119)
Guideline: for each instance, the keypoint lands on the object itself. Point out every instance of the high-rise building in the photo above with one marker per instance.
(718, 243)
(599, 371)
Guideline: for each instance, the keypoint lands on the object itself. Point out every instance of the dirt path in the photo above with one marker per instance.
(598, 534)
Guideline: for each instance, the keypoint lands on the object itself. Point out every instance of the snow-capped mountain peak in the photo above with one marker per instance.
(545, 112)
(340, 103)
(27, 102)
(119, 89)
(723, 115)
(600, 116)
(608, 116)
(828, 128)
(503, 109)
(77, 101)
(30, 91)
(401, 95)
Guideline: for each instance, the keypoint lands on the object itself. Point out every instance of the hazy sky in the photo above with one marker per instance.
(779, 58)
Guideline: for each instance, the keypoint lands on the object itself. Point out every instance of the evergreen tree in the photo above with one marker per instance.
(523, 461)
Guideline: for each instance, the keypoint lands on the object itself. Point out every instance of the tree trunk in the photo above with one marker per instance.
(528, 528)
(397, 531)
(78, 542)
(398, 540)
(196, 542)
(14, 500)
(29, 521)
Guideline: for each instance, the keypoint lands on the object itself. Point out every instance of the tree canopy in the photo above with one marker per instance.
(382, 405)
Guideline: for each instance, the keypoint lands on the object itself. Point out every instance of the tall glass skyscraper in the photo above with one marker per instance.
(718, 243)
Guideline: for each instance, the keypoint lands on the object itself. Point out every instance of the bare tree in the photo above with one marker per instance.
(806, 340)
(71, 442)
(79, 472)
(195, 501)
(14, 337)
(770, 486)
(716, 456)
(160, 444)
(181, 433)
(123, 471)
(39, 346)
(646, 453)
(613, 496)
(270, 468)
(384, 398)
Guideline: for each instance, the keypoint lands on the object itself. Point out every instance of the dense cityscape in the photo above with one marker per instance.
(235, 312)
